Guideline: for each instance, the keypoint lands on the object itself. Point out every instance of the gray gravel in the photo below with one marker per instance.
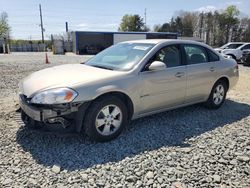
(188, 147)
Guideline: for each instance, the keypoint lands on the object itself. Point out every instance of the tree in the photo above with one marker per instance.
(183, 24)
(230, 16)
(189, 22)
(217, 28)
(245, 26)
(132, 23)
(214, 27)
(157, 27)
(4, 26)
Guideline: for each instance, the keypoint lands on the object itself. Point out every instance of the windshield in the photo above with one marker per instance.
(122, 56)
(232, 46)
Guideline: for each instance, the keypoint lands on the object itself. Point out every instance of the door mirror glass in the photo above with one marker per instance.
(157, 65)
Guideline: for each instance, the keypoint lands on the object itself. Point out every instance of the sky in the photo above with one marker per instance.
(98, 15)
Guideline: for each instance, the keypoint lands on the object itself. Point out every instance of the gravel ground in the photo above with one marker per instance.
(187, 147)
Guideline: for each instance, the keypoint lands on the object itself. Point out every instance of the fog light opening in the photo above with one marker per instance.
(65, 123)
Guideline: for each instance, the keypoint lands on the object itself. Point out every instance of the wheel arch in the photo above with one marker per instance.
(234, 56)
(224, 79)
(123, 96)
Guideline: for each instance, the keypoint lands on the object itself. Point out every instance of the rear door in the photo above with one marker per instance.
(200, 73)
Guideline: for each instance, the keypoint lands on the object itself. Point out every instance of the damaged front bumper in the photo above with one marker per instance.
(59, 113)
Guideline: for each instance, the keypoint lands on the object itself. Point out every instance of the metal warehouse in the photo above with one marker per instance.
(89, 42)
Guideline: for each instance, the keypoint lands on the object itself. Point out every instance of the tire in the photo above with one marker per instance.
(217, 96)
(105, 119)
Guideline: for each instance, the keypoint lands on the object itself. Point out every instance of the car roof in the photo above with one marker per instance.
(160, 41)
(236, 43)
(171, 41)
(245, 43)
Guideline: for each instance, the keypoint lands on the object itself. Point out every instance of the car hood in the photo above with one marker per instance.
(64, 76)
(218, 49)
(229, 50)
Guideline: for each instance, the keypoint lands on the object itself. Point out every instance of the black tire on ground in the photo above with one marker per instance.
(210, 103)
(89, 122)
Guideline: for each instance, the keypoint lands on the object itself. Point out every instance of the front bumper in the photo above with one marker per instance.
(44, 113)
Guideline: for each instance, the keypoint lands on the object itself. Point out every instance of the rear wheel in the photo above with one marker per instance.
(217, 95)
(106, 119)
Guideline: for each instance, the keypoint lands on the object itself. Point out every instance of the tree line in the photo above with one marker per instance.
(214, 27)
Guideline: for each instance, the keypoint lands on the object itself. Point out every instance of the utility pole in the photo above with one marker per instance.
(67, 27)
(41, 18)
(67, 30)
(145, 17)
(201, 24)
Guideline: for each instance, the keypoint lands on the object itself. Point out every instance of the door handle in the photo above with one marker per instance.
(179, 74)
(212, 69)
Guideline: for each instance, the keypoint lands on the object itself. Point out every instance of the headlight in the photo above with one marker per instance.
(54, 96)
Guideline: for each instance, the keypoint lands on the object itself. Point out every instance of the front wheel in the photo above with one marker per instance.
(106, 118)
(217, 95)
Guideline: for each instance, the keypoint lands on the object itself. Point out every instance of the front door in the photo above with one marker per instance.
(164, 88)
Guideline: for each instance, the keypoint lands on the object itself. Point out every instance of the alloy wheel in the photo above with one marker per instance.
(218, 95)
(108, 120)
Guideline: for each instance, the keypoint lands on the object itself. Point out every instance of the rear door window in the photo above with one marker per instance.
(212, 56)
(195, 54)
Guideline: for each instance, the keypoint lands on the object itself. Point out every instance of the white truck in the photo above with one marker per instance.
(234, 49)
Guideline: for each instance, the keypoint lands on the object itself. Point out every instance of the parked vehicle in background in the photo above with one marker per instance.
(236, 54)
(230, 45)
(126, 81)
(246, 57)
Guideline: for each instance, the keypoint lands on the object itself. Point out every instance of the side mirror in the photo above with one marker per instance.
(157, 65)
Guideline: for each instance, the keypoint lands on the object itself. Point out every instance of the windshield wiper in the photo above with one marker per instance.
(102, 67)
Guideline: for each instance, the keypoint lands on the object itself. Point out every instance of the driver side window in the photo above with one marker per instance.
(170, 55)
